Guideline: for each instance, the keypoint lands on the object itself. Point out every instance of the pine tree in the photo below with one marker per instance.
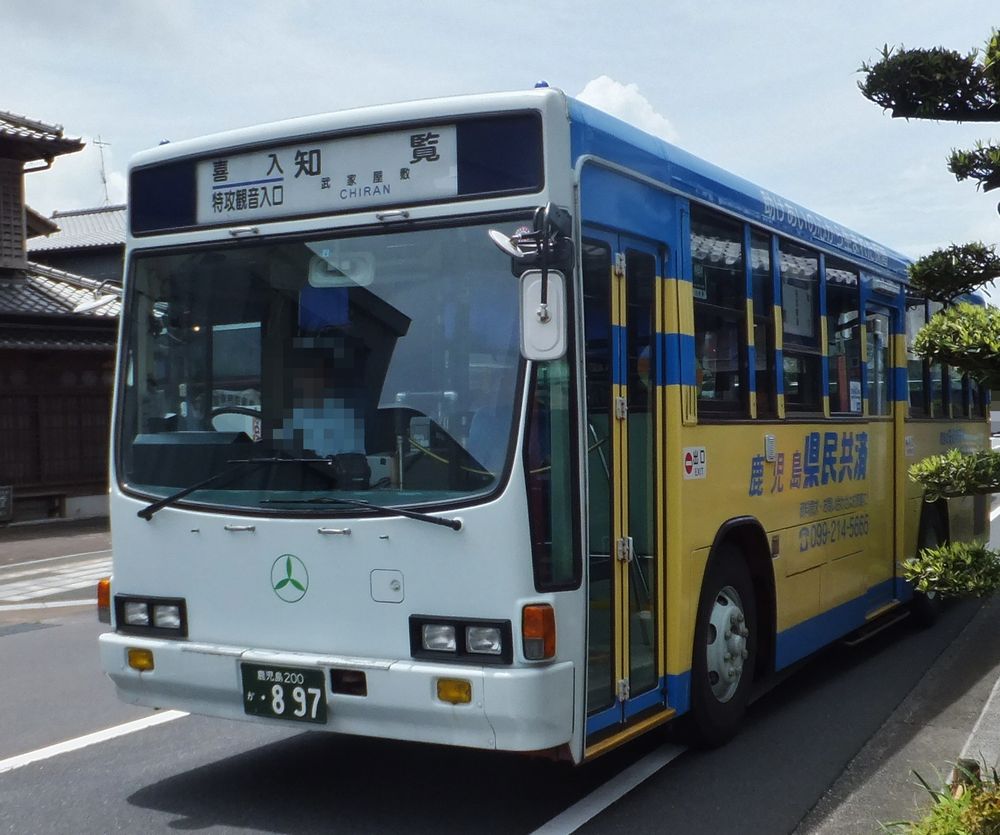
(944, 85)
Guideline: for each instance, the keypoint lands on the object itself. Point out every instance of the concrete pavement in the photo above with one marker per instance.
(953, 712)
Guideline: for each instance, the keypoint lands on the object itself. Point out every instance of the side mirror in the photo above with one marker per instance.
(543, 322)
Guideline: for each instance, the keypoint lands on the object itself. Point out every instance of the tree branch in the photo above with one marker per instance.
(933, 84)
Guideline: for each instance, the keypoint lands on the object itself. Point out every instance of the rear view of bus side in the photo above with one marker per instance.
(350, 491)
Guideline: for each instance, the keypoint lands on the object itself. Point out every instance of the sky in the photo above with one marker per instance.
(767, 89)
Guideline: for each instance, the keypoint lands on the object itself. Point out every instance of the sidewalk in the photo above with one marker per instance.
(953, 712)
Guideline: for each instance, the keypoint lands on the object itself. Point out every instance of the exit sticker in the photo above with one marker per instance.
(695, 462)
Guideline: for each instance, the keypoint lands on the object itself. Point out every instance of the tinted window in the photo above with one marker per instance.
(719, 281)
(802, 366)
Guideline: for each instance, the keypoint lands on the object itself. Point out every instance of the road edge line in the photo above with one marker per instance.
(571, 819)
(21, 760)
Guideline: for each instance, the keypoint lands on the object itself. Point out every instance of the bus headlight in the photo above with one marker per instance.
(469, 640)
(166, 616)
(439, 637)
(484, 639)
(136, 613)
(159, 617)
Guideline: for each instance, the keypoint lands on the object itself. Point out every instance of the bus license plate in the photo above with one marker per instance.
(284, 693)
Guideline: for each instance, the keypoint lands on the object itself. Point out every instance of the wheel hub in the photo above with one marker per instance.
(727, 644)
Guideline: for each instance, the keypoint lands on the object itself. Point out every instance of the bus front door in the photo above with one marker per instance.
(622, 313)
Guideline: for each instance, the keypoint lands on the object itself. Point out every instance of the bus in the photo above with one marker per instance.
(493, 421)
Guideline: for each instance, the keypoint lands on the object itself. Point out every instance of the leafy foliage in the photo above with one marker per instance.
(966, 337)
(960, 569)
(958, 474)
(982, 164)
(934, 84)
(971, 808)
(951, 272)
(944, 85)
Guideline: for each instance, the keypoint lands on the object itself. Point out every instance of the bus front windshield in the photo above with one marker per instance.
(380, 367)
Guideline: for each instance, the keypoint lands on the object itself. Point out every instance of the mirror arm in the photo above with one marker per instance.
(543, 307)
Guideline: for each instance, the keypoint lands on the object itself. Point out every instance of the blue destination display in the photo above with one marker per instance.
(492, 155)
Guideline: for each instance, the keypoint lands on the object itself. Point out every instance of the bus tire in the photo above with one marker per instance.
(725, 649)
(926, 606)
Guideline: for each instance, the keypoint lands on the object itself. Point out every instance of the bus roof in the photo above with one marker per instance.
(596, 133)
(593, 133)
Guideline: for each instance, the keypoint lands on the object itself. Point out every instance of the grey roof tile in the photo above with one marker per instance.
(84, 228)
(25, 131)
(45, 290)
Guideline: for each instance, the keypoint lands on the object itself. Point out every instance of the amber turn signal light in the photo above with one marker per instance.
(104, 600)
(538, 630)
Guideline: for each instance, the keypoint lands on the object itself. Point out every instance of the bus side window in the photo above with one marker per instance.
(916, 368)
(843, 326)
(802, 353)
(937, 376)
(719, 313)
(763, 325)
(879, 331)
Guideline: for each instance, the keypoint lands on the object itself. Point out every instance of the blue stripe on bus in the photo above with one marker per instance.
(807, 637)
(596, 133)
(677, 368)
(644, 701)
(900, 385)
(791, 646)
(679, 692)
(604, 719)
(619, 373)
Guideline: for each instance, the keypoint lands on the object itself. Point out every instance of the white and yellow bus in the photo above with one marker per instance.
(493, 421)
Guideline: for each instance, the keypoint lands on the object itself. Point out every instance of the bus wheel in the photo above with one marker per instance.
(725, 650)
(926, 606)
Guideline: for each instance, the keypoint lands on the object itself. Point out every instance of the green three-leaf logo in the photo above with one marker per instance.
(289, 578)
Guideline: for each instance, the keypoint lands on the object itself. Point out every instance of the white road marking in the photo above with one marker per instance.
(994, 513)
(602, 797)
(47, 580)
(6, 574)
(53, 559)
(54, 604)
(90, 739)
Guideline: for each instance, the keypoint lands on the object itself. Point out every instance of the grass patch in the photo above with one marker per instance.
(969, 806)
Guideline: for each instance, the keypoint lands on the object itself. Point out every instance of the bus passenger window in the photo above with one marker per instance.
(916, 368)
(956, 396)
(763, 325)
(843, 327)
(937, 375)
(803, 361)
(879, 363)
(719, 312)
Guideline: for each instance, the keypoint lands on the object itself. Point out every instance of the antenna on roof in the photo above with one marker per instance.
(104, 174)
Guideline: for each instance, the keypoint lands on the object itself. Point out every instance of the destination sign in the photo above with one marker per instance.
(409, 166)
(448, 159)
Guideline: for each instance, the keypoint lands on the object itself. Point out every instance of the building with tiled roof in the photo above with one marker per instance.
(88, 242)
(57, 339)
(28, 140)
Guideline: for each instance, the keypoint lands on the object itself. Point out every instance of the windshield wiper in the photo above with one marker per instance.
(454, 524)
(238, 463)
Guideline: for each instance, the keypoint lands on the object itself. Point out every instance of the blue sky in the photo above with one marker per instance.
(766, 89)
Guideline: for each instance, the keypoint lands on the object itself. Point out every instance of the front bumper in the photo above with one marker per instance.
(512, 709)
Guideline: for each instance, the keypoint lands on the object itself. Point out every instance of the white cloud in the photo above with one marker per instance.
(627, 103)
(74, 182)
